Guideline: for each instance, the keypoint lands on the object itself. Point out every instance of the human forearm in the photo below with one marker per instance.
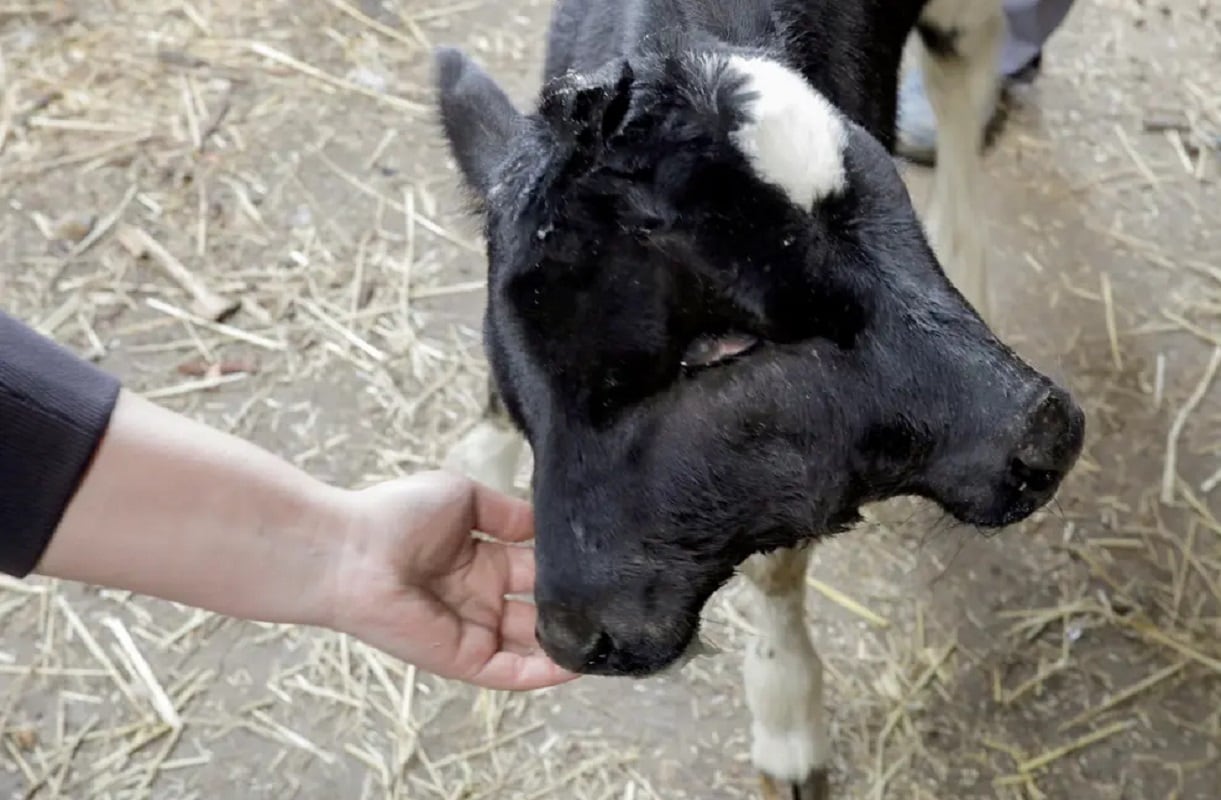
(125, 494)
(174, 509)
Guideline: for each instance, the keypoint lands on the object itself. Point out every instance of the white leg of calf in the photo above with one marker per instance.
(961, 78)
(783, 679)
(489, 453)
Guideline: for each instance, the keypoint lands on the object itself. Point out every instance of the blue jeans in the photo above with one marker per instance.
(1031, 23)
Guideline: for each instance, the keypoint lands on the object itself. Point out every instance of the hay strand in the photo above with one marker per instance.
(208, 304)
(1080, 743)
(1170, 469)
(846, 602)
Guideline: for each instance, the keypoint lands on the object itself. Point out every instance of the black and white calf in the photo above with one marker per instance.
(718, 323)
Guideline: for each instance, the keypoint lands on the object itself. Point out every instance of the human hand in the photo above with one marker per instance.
(416, 584)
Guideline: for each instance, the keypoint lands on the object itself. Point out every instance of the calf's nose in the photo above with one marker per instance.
(1055, 432)
(572, 637)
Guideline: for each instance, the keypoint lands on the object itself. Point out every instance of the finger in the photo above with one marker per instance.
(517, 628)
(519, 569)
(501, 516)
(516, 673)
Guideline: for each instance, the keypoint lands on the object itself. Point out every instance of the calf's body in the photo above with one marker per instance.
(717, 322)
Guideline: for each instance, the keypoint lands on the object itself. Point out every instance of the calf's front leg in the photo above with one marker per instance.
(784, 682)
(959, 42)
(491, 451)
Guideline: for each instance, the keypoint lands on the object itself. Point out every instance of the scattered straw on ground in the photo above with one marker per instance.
(244, 209)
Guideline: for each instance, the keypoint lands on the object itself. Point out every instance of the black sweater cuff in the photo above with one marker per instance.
(54, 409)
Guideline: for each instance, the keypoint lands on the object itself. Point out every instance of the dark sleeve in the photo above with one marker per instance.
(54, 408)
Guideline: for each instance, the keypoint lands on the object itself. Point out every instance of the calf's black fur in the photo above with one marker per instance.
(625, 227)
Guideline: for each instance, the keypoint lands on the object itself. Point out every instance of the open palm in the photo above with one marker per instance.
(417, 584)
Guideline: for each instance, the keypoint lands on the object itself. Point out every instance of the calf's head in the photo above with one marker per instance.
(714, 314)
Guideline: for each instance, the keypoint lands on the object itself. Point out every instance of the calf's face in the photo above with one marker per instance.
(714, 313)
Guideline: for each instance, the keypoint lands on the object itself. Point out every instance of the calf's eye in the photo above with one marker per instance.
(712, 349)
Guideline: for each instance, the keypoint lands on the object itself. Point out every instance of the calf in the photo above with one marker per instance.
(715, 318)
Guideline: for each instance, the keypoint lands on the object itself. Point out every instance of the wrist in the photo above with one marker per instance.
(325, 523)
(367, 559)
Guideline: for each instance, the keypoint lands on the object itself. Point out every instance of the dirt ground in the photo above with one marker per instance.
(285, 154)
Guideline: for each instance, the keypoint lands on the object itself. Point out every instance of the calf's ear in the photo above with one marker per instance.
(478, 118)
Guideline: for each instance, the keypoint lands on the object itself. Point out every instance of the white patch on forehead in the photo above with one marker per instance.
(793, 136)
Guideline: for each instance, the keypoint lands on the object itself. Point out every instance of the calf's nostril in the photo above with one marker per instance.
(1033, 479)
(601, 651)
(573, 640)
(1052, 442)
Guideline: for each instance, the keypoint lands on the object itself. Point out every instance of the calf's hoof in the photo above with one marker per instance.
(816, 786)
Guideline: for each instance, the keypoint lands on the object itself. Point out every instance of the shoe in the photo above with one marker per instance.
(916, 138)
